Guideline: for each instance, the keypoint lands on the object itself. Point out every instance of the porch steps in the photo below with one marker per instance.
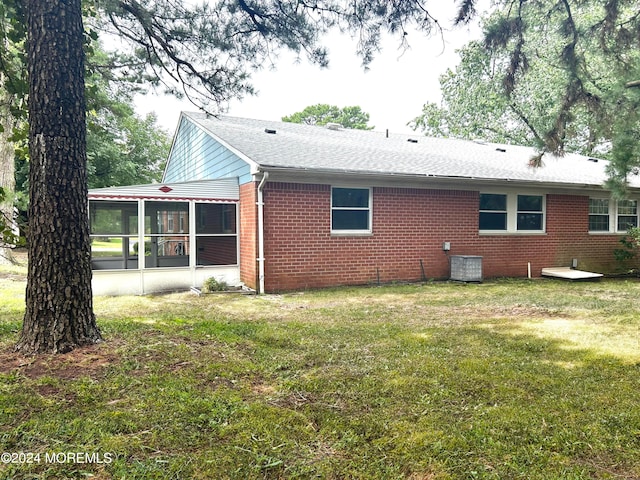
(569, 273)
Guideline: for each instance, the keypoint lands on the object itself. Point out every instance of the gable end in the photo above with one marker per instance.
(195, 155)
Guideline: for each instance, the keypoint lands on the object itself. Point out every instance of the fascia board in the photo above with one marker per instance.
(288, 174)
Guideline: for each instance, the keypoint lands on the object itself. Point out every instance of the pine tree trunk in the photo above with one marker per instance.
(59, 305)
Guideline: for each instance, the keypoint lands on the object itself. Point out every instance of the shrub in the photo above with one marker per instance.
(629, 251)
(147, 248)
(212, 284)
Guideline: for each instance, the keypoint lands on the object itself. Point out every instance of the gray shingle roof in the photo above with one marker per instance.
(320, 149)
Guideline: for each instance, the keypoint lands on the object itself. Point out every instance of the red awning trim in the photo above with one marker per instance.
(93, 196)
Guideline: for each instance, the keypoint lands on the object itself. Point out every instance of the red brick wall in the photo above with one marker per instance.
(248, 234)
(409, 225)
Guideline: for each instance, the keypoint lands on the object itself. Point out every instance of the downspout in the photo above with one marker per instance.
(260, 204)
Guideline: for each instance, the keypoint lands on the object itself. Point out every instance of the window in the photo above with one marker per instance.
(351, 210)
(493, 211)
(627, 214)
(511, 213)
(598, 215)
(530, 213)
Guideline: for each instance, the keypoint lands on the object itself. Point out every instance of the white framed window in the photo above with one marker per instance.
(351, 211)
(530, 213)
(493, 212)
(612, 216)
(599, 215)
(627, 215)
(511, 212)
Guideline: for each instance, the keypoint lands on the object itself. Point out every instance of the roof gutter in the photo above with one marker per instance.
(298, 172)
(260, 204)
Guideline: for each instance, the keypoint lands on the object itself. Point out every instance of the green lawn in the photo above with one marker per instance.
(106, 248)
(500, 380)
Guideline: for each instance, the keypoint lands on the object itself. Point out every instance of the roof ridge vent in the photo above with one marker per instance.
(334, 126)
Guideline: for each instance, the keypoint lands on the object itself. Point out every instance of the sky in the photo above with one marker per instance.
(393, 89)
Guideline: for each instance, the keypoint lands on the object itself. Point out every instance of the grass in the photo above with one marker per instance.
(101, 247)
(505, 379)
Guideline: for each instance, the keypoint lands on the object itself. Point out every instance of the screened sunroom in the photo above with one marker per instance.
(162, 237)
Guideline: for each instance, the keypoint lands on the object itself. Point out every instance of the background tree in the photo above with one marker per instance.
(553, 78)
(7, 176)
(593, 48)
(11, 38)
(321, 114)
(474, 104)
(122, 148)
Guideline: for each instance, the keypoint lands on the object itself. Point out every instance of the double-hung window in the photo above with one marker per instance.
(627, 214)
(493, 211)
(599, 215)
(511, 213)
(612, 216)
(350, 210)
(530, 213)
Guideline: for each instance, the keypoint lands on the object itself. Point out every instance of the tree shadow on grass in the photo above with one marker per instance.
(510, 402)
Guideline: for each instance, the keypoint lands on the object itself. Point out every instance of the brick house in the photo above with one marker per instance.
(324, 206)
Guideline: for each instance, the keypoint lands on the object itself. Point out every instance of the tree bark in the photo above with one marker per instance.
(59, 306)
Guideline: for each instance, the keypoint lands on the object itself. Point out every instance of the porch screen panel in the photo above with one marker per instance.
(113, 233)
(166, 234)
(216, 234)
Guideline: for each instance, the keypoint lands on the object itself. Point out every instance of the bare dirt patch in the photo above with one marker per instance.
(14, 277)
(88, 361)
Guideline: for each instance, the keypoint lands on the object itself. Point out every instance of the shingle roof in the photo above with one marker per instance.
(320, 149)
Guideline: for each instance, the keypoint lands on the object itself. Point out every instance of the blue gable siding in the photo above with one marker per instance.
(197, 156)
